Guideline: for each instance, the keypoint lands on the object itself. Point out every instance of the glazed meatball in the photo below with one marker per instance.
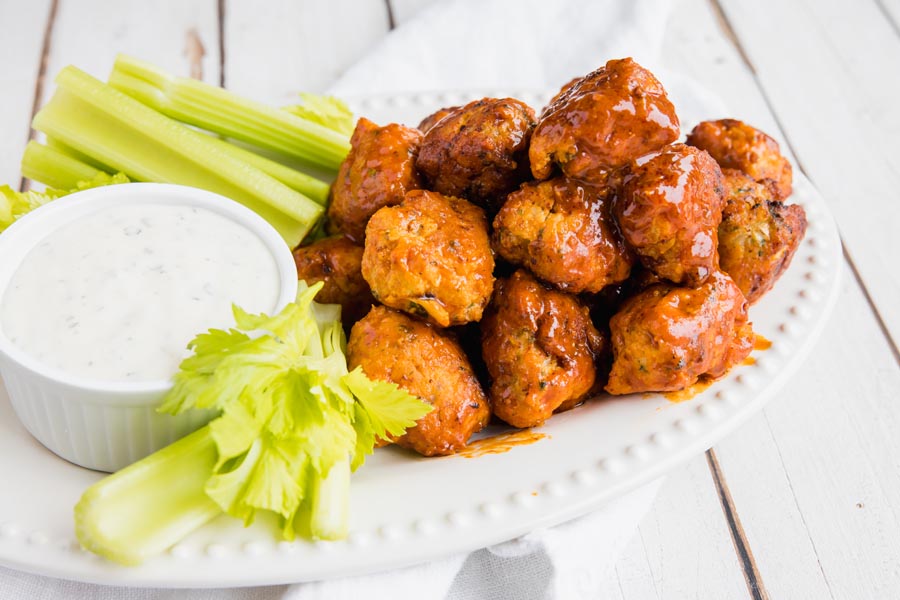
(430, 256)
(432, 119)
(378, 171)
(427, 363)
(336, 261)
(563, 232)
(602, 122)
(757, 236)
(478, 152)
(736, 145)
(539, 346)
(669, 211)
(666, 337)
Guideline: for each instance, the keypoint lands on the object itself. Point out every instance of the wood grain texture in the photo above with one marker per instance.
(89, 34)
(21, 46)
(279, 48)
(783, 466)
(687, 541)
(835, 90)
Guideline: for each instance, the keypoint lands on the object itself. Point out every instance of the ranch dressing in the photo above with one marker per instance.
(117, 294)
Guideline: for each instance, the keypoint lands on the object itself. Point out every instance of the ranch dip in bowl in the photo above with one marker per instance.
(100, 293)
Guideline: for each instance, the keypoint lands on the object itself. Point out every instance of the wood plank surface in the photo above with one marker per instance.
(834, 88)
(795, 511)
(814, 479)
(281, 48)
(89, 34)
(21, 45)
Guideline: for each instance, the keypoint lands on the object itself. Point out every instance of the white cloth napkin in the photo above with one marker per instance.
(471, 45)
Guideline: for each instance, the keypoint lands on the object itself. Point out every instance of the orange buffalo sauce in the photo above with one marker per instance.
(504, 442)
(759, 343)
(690, 391)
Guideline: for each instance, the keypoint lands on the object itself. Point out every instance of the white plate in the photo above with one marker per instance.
(407, 509)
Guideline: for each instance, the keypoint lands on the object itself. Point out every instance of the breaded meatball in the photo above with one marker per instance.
(757, 236)
(427, 363)
(337, 261)
(430, 256)
(539, 346)
(478, 152)
(666, 337)
(602, 122)
(432, 119)
(736, 145)
(562, 230)
(378, 171)
(669, 211)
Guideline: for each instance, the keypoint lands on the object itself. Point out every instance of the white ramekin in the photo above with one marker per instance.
(96, 424)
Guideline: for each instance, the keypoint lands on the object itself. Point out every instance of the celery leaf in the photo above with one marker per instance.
(14, 204)
(291, 414)
(327, 111)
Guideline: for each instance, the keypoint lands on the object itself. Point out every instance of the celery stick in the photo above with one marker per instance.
(79, 156)
(54, 168)
(115, 129)
(330, 509)
(150, 505)
(309, 186)
(218, 110)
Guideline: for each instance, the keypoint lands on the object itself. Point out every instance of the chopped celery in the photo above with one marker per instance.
(218, 110)
(309, 186)
(54, 168)
(14, 204)
(117, 130)
(149, 505)
(293, 424)
(328, 111)
(80, 156)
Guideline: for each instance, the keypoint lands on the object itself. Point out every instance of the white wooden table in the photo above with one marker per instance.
(804, 500)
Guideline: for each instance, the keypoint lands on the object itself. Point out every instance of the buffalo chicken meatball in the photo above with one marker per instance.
(736, 145)
(666, 337)
(378, 171)
(435, 117)
(427, 363)
(539, 346)
(602, 122)
(562, 231)
(430, 256)
(669, 211)
(757, 236)
(478, 152)
(336, 261)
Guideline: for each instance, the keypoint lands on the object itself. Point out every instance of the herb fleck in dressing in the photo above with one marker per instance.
(117, 294)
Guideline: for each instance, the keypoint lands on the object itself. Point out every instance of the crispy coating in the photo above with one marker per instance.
(539, 346)
(602, 122)
(337, 262)
(430, 256)
(432, 119)
(669, 211)
(665, 338)
(736, 145)
(562, 230)
(427, 363)
(378, 171)
(478, 152)
(757, 236)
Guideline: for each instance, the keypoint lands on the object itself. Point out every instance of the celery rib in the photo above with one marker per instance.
(117, 130)
(54, 168)
(223, 112)
(150, 505)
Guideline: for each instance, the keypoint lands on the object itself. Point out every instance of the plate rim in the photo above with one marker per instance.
(508, 517)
